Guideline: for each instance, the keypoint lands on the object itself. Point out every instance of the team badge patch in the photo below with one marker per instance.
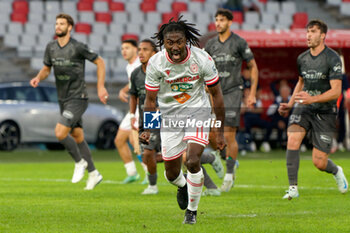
(194, 68)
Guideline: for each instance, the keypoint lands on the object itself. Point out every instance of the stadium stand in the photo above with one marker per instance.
(103, 24)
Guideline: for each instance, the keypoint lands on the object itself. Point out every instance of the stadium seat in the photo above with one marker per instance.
(268, 18)
(129, 36)
(148, 6)
(163, 7)
(2, 29)
(116, 6)
(84, 28)
(103, 17)
(149, 30)
(25, 51)
(150, 1)
(52, 8)
(120, 17)
(35, 18)
(96, 41)
(87, 17)
(84, 6)
(28, 40)
(36, 63)
(285, 20)
(20, 7)
(189, 16)
(116, 29)
(179, 6)
(11, 40)
(15, 28)
(138, 18)
(80, 37)
(251, 17)
(133, 7)
(153, 18)
(31, 28)
(69, 7)
(47, 28)
(272, 7)
(289, 7)
(235, 26)
(248, 26)
(19, 17)
(131, 28)
(4, 19)
(5, 7)
(167, 16)
(36, 6)
(300, 20)
(113, 40)
(194, 6)
(345, 8)
(100, 6)
(210, 7)
(204, 18)
(237, 17)
(100, 28)
(211, 27)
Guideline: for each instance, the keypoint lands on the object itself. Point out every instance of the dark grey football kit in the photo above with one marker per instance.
(228, 57)
(69, 69)
(319, 118)
(138, 89)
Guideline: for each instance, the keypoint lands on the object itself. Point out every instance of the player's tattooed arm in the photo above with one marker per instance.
(219, 109)
(253, 68)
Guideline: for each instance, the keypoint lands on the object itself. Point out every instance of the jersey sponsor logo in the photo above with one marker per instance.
(313, 75)
(67, 114)
(181, 87)
(61, 62)
(183, 79)
(182, 98)
(224, 74)
(194, 68)
(223, 58)
(152, 120)
(63, 77)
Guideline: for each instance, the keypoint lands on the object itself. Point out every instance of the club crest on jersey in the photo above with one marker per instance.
(181, 87)
(194, 68)
(167, 72)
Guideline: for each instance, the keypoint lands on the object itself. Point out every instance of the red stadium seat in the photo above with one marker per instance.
(237, 17)
(198, 1)
(300, 20)
(116, 6)
(19, 17)
(84, 28)
(150, 1)
(263, 1)
(167, 16)
(130, 36)
(84, 6)
(179, 6)
(211, 27)
(91, 1)
(148, 6)
(20, 7)
(103, 17)
(346, 0)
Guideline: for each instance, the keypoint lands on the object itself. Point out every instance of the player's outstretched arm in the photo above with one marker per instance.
(101, 74)
(42, 75)
(219, 109)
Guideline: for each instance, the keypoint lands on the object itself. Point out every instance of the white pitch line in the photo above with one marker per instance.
(247, 186)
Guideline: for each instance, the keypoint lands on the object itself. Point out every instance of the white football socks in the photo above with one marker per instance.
(194, 186)
(130, 168)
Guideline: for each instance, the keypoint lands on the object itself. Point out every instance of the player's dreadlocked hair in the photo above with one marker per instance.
(190, 32)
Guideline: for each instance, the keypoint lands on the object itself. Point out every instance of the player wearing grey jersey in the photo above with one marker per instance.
(229, 51)
(147, 48)
(177, 75)
(316, 92)
(67, 56)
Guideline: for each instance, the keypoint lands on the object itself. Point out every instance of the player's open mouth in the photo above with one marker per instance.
(176, 56)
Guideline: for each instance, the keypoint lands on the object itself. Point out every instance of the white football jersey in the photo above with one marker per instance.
(131, 66)
(181, 85)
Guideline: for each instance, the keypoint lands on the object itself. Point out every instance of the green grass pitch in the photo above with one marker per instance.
(36, 196)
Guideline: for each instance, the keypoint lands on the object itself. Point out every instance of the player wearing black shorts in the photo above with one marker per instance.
(229, 51)
(147, 48)
(316, 93)
(67, 56)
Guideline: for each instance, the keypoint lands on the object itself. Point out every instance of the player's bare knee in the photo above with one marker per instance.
(193, 164)
(171, 175)
(60, 135)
